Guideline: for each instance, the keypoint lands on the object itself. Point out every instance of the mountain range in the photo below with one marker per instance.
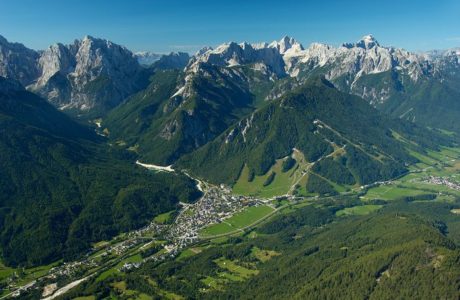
(336, 117)
(386, 77)
(94, 73)
(89, 75)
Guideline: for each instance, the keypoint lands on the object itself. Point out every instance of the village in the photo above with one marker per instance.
(217, 204)
(443, 181)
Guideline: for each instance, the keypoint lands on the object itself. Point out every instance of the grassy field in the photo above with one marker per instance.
(249, 216)
(264, 255)
(131, 259)
(27, 275)
(189, 252)
(213, 283)
(101, 244)
(282, 183)
(106, 274)
(445, 163)
(279, 186)
(235, 269)
(5, 271)
(238, 221)
(358, 210)
(233, 272)
(390, 192)
(216, 229)
(86, 298)
(164, 218)
(129, 294)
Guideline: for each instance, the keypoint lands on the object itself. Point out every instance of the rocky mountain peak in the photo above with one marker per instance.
(173, 60)
(147, 58)
(203, 50)
(17, 61)
(287, 43)
(3, 40)
(81, 75)
(366, 42)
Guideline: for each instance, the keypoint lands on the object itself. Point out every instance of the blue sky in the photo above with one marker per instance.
(164, 26)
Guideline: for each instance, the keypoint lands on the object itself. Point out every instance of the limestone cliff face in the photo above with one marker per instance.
(91, 72)
(97, 74)
(86, 74)
(18, 62)
(345, 65)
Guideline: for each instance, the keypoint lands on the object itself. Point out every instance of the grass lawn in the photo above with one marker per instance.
(5, 271)
(390, 192)
(423, 158)
(358, 210)
(101, 244)
(121, 287)
(282, 183)
(233, 272)
(238, 221)
(106, 274)
(279, 186)
(219, 240)
(234, 268)
(189, 252)
(213, 283)
(132, 259)
(445, 163)
(231, 276)
(249, 216)
(216, 229)
(164, 218)
(33, 273)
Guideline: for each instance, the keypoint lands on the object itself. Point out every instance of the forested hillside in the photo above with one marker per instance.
(61, 188)
(344, 137)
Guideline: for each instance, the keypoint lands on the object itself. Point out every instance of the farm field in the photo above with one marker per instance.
(444, 164)
(390, 192)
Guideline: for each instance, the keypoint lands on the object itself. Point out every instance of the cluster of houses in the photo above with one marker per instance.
(443, 181)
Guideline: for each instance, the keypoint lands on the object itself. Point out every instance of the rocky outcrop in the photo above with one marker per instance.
(173, 60)
(147, 58)
(90, 73)
(345, 65)
(18, 62)
(233, 54)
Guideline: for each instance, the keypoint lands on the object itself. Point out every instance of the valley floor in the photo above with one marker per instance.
(221, 216)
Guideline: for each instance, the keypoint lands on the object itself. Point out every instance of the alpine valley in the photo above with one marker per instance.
(268, 171)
